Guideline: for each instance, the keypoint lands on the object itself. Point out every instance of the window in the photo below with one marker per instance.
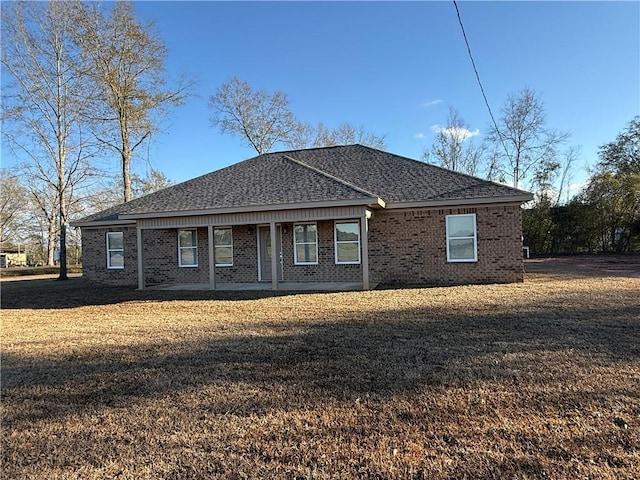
(223, 246)
(461, 238)
(115, 250)
(305, 242)
(188, 248)
(347, 237)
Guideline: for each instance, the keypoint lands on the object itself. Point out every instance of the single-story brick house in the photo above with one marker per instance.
(335, 214)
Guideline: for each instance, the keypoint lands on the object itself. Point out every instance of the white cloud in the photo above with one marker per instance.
(574, 187)
(460, 133)
(419, 135)
(431, 103)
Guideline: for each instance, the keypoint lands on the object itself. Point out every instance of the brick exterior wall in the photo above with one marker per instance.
(94, 256)
(245, 257)
(405, 247)
(326, 270)
(409, 247)
(161, 258)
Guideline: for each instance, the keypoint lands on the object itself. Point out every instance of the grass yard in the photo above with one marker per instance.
(526, 381)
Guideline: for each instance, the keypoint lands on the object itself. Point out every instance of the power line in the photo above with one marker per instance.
(473, 64)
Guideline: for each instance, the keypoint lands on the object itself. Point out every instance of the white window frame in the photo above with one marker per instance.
(295, 245)
(336, 242)
(110, 250)
(190, 247)
(216, 246)
(474, 238)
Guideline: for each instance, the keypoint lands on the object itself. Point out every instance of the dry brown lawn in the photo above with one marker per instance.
(533, 380)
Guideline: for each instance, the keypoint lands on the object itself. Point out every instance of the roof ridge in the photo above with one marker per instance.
(440, 167)
(332, 177)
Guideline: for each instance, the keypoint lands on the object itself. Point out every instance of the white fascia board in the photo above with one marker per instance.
(462, 201)
(374, 201)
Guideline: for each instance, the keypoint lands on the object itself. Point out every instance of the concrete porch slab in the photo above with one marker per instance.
(282, 286)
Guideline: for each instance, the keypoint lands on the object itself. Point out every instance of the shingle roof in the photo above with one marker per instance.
(351, 173)
(399, 179)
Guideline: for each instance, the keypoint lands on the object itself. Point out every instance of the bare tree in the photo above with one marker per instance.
(13, 199)
(153, 181)
(44, 205)
(346, 134)
(264, 120)
(127, 66)
(454, 148)
(260, 118)
(42, 108)
(522, 141)
(569, 157)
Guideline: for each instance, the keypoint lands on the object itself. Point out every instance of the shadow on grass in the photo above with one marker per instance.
(382, 353)
(78, 292)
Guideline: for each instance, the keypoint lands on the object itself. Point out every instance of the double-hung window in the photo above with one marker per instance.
(115, 250)
(305, 243)
(462, 241)
(187, 248)
(347, 242)
(223, 245)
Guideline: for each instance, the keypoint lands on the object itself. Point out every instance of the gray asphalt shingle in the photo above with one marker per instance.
(351, 172)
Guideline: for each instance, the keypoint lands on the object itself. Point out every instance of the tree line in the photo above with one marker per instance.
(604, 217)
(87, 89)
(521, 150)
(88, 82)
(83, 80)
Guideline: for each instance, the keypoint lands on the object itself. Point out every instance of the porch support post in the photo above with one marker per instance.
(364, 245)
(212, 260)
(275, 255)
(139, 237)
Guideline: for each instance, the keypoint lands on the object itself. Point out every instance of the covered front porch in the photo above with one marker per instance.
(265, 251)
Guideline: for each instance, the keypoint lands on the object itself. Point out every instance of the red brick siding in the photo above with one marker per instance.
(409, 247)
(245, 257)
(161, 258)
(94, 256)
(326, 270)
(405, 247)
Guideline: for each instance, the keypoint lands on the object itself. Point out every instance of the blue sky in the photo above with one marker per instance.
(396, 68)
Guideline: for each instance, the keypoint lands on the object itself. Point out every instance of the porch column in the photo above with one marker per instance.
(139, 237)
(364, 245)
(212, 260)
(275, 255)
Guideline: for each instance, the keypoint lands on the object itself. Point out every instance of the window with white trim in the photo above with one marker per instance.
(305, 243)
(187, 248)
(462, 242)
(115, 250)
(347, 242)
(223, 247)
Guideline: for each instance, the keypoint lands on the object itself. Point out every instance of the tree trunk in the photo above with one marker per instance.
(51, 241)
(126, 161)
(63, 252)
(126, 176)
(63, 239)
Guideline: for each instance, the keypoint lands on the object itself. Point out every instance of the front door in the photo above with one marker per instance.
(265, 251)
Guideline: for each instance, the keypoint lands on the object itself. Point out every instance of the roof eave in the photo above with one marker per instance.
(453, 202)
(371, 201)
(102, 223)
